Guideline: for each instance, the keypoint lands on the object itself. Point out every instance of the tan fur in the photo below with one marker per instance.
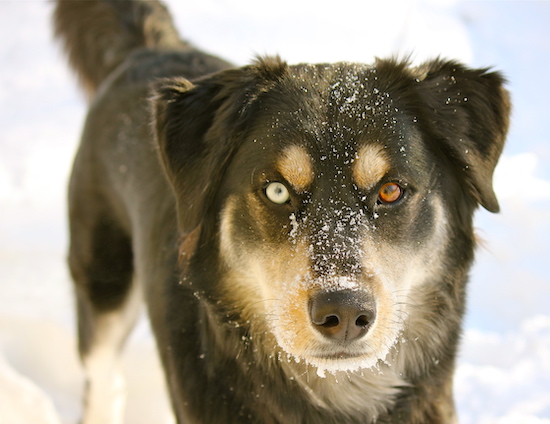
(296, 167)
(370, 166)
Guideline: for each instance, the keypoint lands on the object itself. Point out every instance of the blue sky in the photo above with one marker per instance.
(513, 36)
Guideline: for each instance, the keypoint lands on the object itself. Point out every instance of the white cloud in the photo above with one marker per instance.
(515, 178)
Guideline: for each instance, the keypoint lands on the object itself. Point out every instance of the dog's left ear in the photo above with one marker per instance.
(469, 114)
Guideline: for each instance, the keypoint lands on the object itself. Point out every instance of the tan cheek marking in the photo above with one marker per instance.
(226, 231)
(293, 328)
(387, 320)
(370, 166)
(266, 289)
(296, 167)
(233, 251)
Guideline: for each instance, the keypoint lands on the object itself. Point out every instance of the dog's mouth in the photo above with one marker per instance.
(339, 356)
(341, 360)
(338, 330)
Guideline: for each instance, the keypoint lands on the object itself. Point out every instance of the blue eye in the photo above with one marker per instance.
(277, 193)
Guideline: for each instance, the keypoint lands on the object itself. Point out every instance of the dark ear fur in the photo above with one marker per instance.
(469, 113)
(199, 125)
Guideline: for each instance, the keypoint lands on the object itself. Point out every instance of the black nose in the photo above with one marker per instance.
(344, 315)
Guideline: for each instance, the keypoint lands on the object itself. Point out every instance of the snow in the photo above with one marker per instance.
(22, 401)
(503, 373)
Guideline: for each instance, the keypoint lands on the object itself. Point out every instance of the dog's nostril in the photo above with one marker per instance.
(330, 321)
(362, 321)
(342, 315)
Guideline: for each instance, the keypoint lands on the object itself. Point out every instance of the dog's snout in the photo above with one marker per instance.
(342, 316)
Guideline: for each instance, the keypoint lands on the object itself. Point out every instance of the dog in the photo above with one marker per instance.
(301, 234)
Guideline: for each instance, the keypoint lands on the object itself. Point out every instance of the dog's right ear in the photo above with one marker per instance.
(183, 117)
(199, 125)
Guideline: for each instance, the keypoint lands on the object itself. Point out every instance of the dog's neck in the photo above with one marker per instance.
(372, 391)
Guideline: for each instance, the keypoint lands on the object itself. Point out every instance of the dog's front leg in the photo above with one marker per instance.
(105, 395)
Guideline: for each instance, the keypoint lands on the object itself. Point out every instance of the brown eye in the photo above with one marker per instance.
(390, 193)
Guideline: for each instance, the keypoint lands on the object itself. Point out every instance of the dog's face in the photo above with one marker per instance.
(334, 196)
(327, 230)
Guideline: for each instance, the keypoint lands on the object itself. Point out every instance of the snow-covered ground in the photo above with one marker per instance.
(503, 374)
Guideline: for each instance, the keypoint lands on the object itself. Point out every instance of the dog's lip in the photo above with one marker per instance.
(339, 355)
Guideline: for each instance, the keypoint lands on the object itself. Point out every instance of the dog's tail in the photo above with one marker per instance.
(99, 35)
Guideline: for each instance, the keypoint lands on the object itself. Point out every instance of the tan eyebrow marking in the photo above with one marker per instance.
(296, 166)
(370, 166)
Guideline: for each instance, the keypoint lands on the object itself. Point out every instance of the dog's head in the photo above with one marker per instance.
(334, 193)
